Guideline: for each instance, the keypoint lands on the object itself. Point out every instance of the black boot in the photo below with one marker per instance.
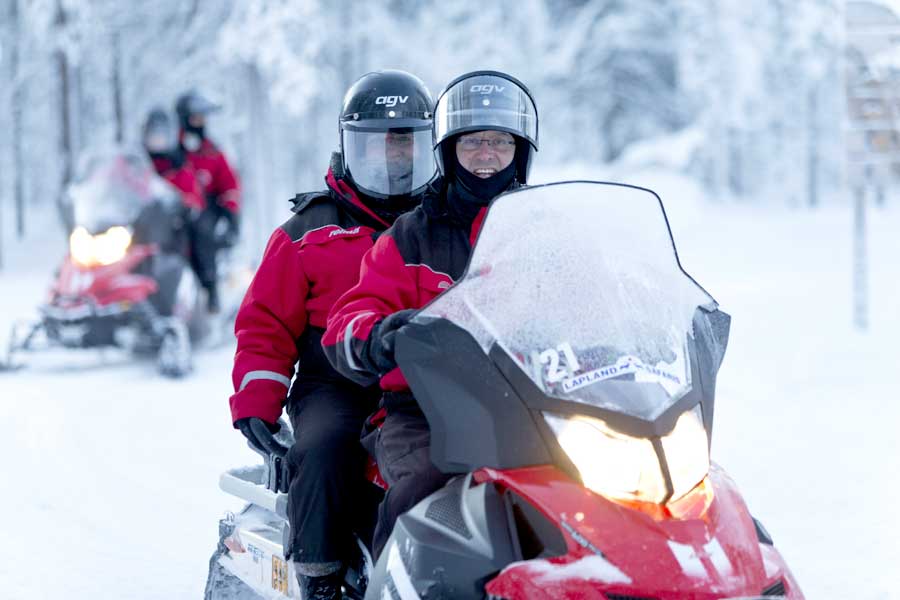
(327, 587)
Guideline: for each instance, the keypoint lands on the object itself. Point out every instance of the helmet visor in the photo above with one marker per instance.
(395, 162)
(485, 102)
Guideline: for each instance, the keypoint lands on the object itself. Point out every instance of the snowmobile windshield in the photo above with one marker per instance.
(580, 284)
(111, 189)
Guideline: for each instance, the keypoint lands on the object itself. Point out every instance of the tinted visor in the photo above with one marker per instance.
(395, 162)
(484, 102)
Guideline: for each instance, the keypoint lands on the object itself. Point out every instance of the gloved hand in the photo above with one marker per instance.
(230, 238)
(259, 434)
(380, 348)
(234, 223)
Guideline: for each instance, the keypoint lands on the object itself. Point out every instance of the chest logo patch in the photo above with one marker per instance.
(352, 231)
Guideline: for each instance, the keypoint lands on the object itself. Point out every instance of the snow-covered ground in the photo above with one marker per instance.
(108, 473)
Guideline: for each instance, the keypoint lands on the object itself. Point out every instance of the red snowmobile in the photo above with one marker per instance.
(569, 380)
(125, 281)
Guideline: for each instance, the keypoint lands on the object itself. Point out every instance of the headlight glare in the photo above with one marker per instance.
(687, 452)
(622, 467)
(610, 463)
(81, 246)
(101, 249)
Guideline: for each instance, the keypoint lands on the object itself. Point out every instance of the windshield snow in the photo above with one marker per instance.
(579, 283)
(112, 188)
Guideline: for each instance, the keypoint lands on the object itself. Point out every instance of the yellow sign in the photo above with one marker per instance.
(279, 575)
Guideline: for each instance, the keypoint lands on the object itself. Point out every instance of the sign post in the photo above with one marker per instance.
(872, 87)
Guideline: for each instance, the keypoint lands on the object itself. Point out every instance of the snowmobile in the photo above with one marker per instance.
(569, 382)
(125, 281)
(250, 561)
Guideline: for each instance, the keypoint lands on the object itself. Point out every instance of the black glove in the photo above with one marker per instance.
(230, 238)
(234, 223)
(380, 347)
(259, 435)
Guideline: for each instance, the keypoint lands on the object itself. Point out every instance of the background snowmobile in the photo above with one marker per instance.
(125, 281)
(569, 379)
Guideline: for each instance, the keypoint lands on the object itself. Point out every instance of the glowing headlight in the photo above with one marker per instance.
(81, 246)
(101, 249)
(686, 449)
(627, 468)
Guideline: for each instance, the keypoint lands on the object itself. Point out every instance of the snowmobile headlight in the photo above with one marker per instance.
(686, 450)
(623, 467)
(101, 249)
(81, 246)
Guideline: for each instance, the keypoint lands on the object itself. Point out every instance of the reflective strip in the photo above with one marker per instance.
(348, 341)
(270, 375)
(301, 238)
(423, 265)
(398, 573)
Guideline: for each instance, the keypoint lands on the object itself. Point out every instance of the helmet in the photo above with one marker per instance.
(483, 100)
(192, 103)
(159, 134)
(385, 130)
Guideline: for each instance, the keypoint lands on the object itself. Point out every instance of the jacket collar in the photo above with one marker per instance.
(344, 194)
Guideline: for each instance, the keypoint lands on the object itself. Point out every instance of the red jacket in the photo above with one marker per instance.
(419, 257)
(183, 178)
(216, 177)
(309, 262)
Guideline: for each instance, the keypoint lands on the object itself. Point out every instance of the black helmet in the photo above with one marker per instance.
(483, 100)
(385, 130)
(192, 103)
(159, 134)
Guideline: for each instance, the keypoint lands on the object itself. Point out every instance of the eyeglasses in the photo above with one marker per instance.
(470, 144)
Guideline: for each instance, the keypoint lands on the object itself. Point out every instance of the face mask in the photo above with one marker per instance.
(486, 189)
(191, 141)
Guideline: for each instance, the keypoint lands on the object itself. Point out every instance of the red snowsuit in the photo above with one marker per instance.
(183, 178)
(216, 177)
(419, 257)
(424, 252)
(309, 262)
(222, 198)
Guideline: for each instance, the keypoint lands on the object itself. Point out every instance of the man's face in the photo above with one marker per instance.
(395, 153)
(197, 120)
(394, 146)
(485, 153)
(157, 141)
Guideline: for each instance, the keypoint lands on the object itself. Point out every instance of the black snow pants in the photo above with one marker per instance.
(202, 235)
(329, 498)
(402, 449)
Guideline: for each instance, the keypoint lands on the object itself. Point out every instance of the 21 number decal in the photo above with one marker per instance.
(551, 358)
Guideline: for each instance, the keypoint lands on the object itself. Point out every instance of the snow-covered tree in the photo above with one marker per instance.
(614, 71)
(763, 82)
(757, 83)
